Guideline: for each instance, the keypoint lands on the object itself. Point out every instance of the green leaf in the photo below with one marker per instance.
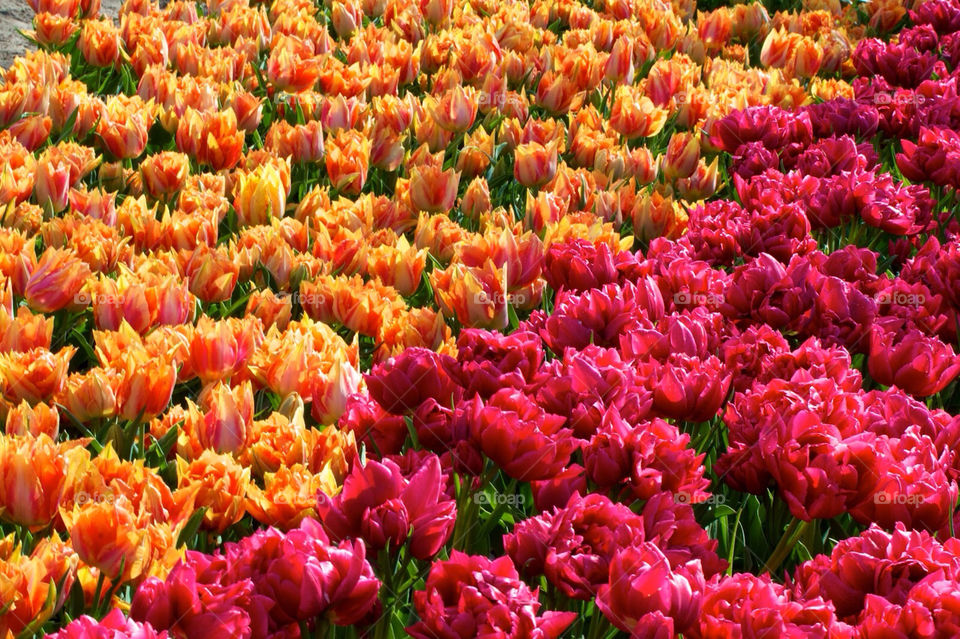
(189, 531)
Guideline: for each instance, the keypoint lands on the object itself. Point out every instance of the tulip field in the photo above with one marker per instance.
(512, 319)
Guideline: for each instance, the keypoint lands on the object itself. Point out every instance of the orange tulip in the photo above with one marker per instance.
(123, 126)
(534, 164)
(226, 426)
(655, 216)
(219, 349)
(164, 174)
(56, 281)
(221, 485)
(289, 495)
(476, 199)
(18, 174)
(33, 475)
(432, 189)
(52, 183)
(260, 196)
(399, 266)
(702, 183)
(35, 421)
(301, 143)
(24, 332)
(211, 273)
(291, 66)
(32, 131)
(477, 297)
(455, 111)
(35, 375)
(107, 536)
(806, 59)
(330, 392)
(99, 43)
(682, 155)
(88, 395)
(778, 48)
(278, 440)
(270, 308)
(635, 116)
(145, 387)
(619, 67)
(422, 327)
(556, 93)
(52, 30)
(29, 585)
(347, 161)
(477, 151)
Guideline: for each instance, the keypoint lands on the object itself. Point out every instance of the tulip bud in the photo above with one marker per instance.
(682, 155)
(260, 196)
(535, 164)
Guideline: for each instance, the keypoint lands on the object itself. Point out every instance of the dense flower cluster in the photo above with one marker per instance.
(493, 319)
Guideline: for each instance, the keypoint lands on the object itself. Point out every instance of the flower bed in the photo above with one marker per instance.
(513, 319)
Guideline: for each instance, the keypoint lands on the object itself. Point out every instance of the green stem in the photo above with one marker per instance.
(786, 544)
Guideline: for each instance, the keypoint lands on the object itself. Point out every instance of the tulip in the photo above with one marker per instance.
(619, 68)
(36, 420)
(145, 388)
(470, 596)
(476, 199)
(347, 161)
(455, 111)
(433, 190)
(34, 376)
(52, 183)
(289, 495)
(915, 363)
(222, 484)
(271, 309)
(331, 391)
(634, 116)
(260, 196)
(476, 296)
(386, 509)
(164, 174)
(227, 424)
(24, 332)
(535, 164)
(56, 281)
(106, 536)
(682, 156)
(302, 143)
(123, 126)
(702, 183)
(288, 70)
(33, 476)
(647, 593)
(521, 438)
(113, 624)
(399, 266)
(212, 275)
(99, 43)
(88, 396)
(401, 384)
